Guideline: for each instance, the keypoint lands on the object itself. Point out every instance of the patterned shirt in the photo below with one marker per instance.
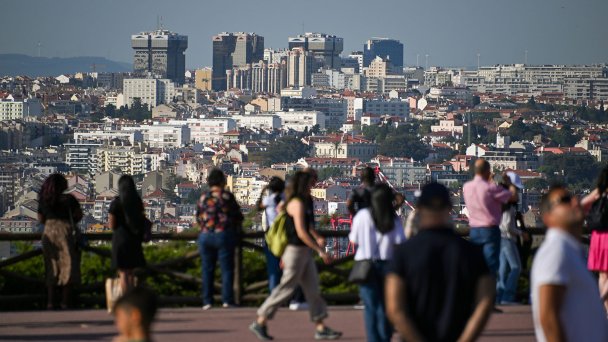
(218, 211)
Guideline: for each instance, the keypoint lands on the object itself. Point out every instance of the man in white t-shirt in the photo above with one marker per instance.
(565, 301)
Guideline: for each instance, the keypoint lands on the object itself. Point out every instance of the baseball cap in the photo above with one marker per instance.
(515, 179)
(434, 196)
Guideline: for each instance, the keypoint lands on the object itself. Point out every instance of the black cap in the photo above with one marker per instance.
(434, 196)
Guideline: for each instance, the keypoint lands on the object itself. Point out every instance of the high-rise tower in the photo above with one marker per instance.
(160, 54)
(325, 48)
(386, 48)
(234, 50)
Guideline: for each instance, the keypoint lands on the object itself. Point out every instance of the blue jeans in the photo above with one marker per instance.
(273, 268)
(212, 246)
(508, 272)
(489, 239)
(377, 326)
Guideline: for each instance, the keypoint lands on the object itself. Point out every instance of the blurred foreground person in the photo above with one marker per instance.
(360, 197)
(376, 231)
(298, 263)
(272, 195)
(565, 301)
(134, 314)
(60, 214)
(439, 287)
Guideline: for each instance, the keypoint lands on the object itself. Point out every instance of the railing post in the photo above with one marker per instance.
(238, 270)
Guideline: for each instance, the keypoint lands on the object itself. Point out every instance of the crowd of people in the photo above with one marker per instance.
(423, 282)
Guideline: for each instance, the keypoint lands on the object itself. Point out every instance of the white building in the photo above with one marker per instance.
(151, 91)
(166, 135)
(299, 92)
(452, 126)
(207, 130)
(258, 121)
(387, 107)
(300, 120)
(11, 109)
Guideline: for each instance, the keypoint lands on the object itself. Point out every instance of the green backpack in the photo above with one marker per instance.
(276, 236)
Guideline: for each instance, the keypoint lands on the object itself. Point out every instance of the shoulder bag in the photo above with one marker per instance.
(363, 270)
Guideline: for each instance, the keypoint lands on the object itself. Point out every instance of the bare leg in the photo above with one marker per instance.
(603, 284)
(124, 282)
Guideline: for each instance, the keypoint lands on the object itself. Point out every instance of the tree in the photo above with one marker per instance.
(284, 150)
(576, 171)
(329, 172)
(565, 137)
(531, 103)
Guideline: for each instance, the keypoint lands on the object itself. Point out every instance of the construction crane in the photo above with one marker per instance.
(94, 66)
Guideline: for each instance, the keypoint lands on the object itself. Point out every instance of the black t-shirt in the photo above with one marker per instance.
(309, 220)
(441, 271)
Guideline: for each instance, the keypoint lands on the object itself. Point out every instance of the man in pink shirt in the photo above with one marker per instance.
(484, 199)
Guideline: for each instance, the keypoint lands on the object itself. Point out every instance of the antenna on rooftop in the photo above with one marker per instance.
(526, 57)
(417, 64)
(161, 23)
(478, 56)
(158, 22)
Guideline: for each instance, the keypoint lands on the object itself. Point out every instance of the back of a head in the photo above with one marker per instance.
(216, 178)
(298, 185)
(53, 186)
(142, 300)
(482, 167)
(368, 176)
(434, 205)
(276, 185)
(382, 210)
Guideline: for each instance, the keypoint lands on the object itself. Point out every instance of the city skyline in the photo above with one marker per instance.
(449, 33)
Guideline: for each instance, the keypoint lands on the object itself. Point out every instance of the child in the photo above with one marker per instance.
(134, 314)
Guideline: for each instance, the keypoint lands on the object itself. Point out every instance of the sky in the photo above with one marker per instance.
(451, 32)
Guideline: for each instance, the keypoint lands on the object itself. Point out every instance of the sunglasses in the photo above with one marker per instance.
(565, 199)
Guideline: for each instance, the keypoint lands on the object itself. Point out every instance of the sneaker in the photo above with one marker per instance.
(295, 306)
(327, 334)
(207, 307)
(260, 331)
(497, 310)
(228, 306)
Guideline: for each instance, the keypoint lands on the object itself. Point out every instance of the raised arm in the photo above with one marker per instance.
(588, 200)
(484, 298)
(394, 300)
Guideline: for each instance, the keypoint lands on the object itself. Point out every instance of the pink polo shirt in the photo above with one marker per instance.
(484, 202)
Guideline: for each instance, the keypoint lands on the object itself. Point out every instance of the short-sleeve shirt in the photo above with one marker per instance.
(371, 244)
(484, 202)
(270, 204)
(441, 271)
(560, 261)
(218, 211)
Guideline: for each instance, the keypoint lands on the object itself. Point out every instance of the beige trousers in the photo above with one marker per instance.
(298, 269)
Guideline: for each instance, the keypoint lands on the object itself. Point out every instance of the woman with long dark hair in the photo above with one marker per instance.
(59, 213)
(126, 219)
(598, 247)
(298, 263)
(376, 230)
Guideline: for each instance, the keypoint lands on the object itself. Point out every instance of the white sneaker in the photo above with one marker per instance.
(298, 306)
(207, 307)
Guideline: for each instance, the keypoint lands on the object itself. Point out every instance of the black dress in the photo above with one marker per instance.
(127, 252)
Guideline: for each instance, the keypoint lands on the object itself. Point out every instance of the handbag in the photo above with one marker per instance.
(276, 236)
(363, 270)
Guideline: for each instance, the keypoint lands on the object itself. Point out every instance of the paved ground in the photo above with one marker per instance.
(191, 324)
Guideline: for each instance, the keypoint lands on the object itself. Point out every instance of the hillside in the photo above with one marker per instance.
(16, 64)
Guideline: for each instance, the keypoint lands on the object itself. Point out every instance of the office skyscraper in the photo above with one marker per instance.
(234, 50)
(160, 53)
(325, 48)
(386, 48)
(299, 67)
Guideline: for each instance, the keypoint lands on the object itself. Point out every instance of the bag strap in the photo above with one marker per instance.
(376, 255)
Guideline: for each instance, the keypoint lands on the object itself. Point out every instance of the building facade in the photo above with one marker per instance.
(234, 50)
(160, 53)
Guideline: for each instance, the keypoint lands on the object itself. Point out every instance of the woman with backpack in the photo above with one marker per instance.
(272, 195)
(596, 204)
(298, 263)
(376, 230)
(219, 219)
(127, 220)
